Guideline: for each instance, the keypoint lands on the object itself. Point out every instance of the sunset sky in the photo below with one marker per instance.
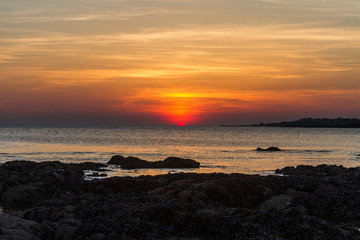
(169, 62)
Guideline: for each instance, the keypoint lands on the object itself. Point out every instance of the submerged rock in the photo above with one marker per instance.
(269, 149)
(170, 162)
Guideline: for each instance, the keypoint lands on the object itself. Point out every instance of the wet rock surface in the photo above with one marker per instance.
(303, 203)
(135, 163)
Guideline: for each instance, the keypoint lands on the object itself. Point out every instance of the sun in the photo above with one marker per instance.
(180, 108)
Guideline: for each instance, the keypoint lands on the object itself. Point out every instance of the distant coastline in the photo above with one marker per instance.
(310, 123)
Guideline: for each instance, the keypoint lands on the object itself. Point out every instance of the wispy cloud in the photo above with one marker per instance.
(169, 52)
(116, 15)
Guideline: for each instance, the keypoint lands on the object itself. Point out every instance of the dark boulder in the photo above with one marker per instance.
(176, 162)
(17, 228)
(135, 163)
(22, 196)
(269, 149)
(91, 166)
(320, 170)
(129, 162)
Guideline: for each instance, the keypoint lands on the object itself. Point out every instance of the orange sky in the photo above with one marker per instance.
(165, 62)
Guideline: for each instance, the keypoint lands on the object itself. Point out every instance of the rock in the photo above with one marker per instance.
(13, 180)
(97, 236)
(13, 228)
(176, 162)
(19, 166)
(65, 232)
(207, 217)
(276, 202)
(2, 188)
(92, 166)
(22, 196)
(297, 194)
(66, 228)
(286, 171)
(70, 208)
(128, 163)
(135, 163)
(308, 170)
(185, 197)
(96, 174)
(269, 149)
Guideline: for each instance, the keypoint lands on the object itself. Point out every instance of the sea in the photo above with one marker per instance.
(218, 149)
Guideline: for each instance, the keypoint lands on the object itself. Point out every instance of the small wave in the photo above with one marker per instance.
(72, 153)
(309, 151)
(322, 151)
(108, 153)
(234, 151)
(56, 153)
(29, 153)
(80, 153)
(213, 166)
(302, 151)
(4, 153)
(7, 156)
(91, 175)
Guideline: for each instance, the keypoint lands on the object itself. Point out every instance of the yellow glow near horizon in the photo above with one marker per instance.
(184, 95)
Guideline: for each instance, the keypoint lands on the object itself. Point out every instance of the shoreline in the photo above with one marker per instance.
(51, 200)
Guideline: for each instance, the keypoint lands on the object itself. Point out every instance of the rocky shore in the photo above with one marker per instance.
(51, 200)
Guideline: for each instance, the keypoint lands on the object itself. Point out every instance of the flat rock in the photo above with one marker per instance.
(269, 149)
(135, 163)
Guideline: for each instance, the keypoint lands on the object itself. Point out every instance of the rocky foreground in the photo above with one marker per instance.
(51, 200)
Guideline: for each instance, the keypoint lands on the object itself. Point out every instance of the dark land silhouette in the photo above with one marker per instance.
(311, 123)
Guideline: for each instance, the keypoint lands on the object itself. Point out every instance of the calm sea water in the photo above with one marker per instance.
(218, 149)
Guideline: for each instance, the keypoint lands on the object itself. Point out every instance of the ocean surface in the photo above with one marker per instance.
(218, 149)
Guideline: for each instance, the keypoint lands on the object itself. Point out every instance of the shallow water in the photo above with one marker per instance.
(218, 149)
